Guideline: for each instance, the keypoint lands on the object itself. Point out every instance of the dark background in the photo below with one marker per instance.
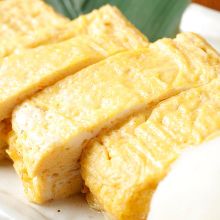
(215, 4)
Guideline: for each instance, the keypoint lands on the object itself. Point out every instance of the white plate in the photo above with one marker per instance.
(14, 205)
(190, 191)
(203, 21)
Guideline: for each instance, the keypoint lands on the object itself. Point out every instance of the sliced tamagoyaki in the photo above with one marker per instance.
(99, 34)
(51, 129)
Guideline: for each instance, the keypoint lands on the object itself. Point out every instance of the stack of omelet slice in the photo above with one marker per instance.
(90, 102)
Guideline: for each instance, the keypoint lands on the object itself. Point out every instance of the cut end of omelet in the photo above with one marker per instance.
(59, 173)
(123, 167)
(51, 184)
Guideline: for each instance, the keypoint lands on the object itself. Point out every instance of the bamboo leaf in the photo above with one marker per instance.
(155, 18)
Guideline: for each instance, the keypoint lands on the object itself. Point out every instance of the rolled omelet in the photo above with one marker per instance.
(23, 18)
(106, 20)
(25, 73)
(123, 167)
(98, 35)
(51, 129)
